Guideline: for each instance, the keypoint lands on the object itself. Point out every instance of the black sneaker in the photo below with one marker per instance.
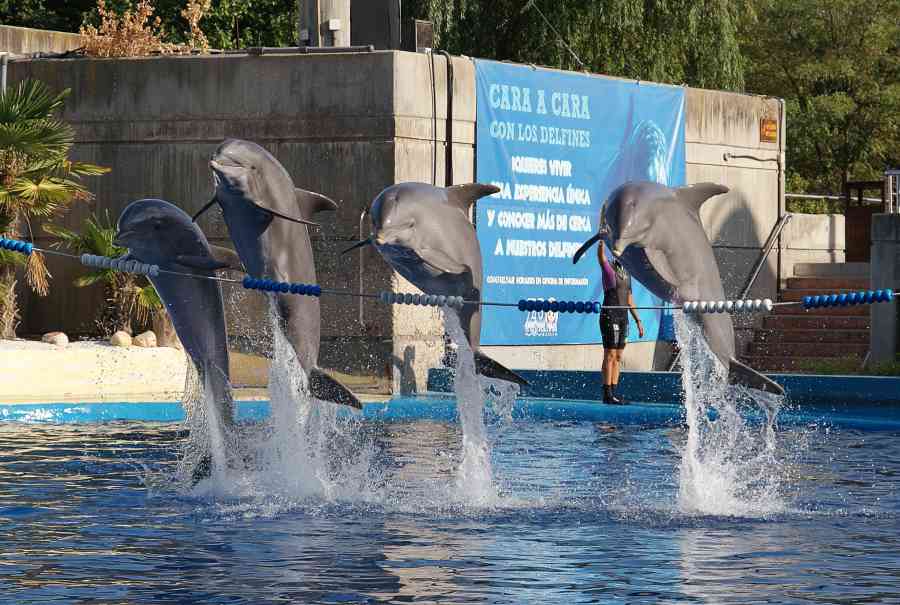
(610, 397)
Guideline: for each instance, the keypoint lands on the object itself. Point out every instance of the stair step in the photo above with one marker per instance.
(812, 335)
(860, 270)
(828, 283)
(765, 363)
(810, 321)
(852, 311)
(809, 349)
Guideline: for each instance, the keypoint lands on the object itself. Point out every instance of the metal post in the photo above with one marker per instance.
(325, 23)
(4, 61)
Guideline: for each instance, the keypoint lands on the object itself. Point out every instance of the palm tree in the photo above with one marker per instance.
(130, 298)
(37, 182)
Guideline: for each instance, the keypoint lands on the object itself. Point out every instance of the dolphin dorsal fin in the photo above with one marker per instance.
(463, 196)
(311, 202)
(695, 195)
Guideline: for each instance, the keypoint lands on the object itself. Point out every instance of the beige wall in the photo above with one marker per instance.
(24, 40)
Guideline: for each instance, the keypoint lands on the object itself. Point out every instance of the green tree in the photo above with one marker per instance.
(37, 181)
(837, 65)
(229, 23)
(692, 42)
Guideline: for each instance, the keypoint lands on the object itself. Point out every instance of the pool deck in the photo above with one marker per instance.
(96, 372)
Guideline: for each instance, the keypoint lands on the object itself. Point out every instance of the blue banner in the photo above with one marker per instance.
(556, 144)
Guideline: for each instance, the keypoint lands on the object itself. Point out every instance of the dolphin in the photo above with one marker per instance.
(424, 233)
(267, 220)
(656, 233)
(159, 233)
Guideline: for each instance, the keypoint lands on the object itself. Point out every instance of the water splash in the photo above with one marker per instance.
(728, 465)
(305, 449)
(474, 485)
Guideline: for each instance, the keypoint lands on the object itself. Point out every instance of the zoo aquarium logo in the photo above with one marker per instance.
(541, 323)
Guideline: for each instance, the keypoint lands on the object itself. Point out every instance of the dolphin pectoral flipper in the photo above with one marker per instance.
(325, 388)
(491, 368)
(738, 373)
(695, 195)
(441, 261)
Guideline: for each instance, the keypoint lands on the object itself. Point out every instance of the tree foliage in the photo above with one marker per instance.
(692, 42)
(37, 179)
(228, 23)
(837, 65)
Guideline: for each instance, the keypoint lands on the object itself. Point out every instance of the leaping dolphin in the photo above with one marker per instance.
(657, 234)
(424, 233)
(159, 233)
(267, 220)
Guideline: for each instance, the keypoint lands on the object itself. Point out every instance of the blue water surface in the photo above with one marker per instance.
(589, 513)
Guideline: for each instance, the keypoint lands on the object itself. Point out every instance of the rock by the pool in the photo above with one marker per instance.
(120, 339)
(145, 339)
(55, 338)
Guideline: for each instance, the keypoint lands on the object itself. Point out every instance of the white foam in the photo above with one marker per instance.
(728, 466)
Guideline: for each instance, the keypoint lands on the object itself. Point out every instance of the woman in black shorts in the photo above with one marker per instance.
(614, 322)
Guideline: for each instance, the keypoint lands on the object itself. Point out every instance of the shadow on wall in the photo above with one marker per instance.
(406, 369)
(737, 237)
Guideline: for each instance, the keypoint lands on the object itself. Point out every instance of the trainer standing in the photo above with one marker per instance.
(614, 321)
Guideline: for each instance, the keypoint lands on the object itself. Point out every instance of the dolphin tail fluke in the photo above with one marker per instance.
(491, 368)
(325, 388)
(738, 373)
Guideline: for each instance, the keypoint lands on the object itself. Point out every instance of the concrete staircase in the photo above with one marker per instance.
(792, 337)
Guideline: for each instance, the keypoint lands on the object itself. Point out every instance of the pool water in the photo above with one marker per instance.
(588, 511)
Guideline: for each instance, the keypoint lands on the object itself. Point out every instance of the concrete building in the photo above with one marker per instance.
(349, 125)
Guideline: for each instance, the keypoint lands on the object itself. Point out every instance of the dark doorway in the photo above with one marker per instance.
(858, 218)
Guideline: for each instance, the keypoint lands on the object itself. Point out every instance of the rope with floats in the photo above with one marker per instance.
(862, 297)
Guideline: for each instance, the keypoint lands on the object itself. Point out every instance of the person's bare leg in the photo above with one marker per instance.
(615, 383)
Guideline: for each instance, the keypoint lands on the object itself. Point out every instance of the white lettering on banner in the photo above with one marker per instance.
(515, 220)
(567, 137)
(546, 221)
(528, 165)
(510, 98)
(580, 223)
(498, 249)
(529, 280)
(503, 130)
(490, 216)
(539, 193)
(561, 168)
(526, 247)
(567, 105)
(563, 249)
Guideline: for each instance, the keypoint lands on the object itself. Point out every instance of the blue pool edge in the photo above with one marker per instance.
(665, 387)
